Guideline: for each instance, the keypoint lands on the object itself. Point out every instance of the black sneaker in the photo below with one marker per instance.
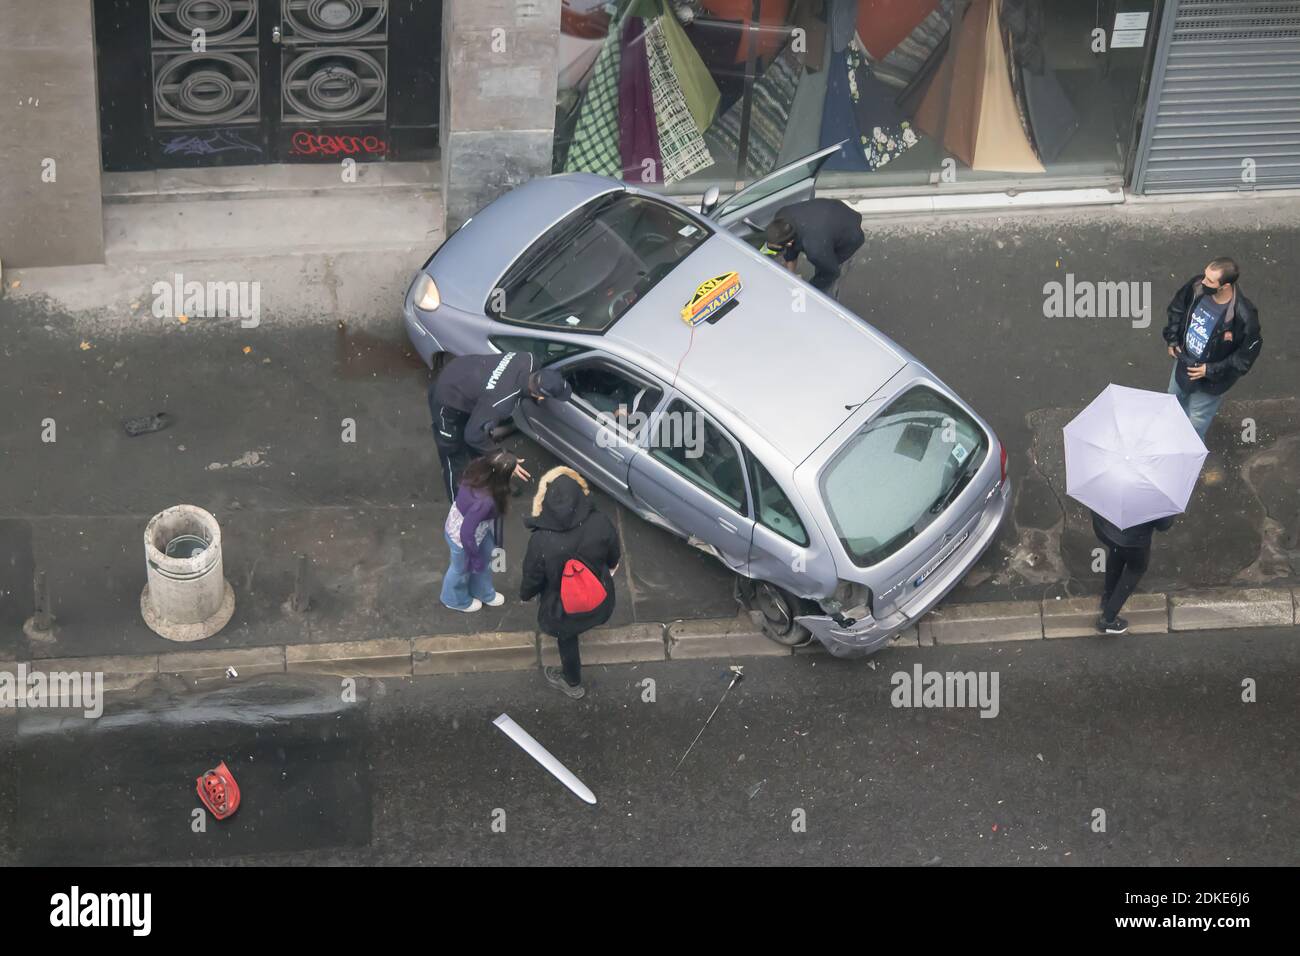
(555, 677)
(1117, 626)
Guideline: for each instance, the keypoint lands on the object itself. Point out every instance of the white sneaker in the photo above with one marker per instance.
(474, 605)
(497, 600)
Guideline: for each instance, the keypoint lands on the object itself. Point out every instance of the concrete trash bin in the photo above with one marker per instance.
(187, 597)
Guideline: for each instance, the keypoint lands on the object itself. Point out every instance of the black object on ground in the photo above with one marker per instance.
(146, 423)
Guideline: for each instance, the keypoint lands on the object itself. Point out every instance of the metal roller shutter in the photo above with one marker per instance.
(1225, 98)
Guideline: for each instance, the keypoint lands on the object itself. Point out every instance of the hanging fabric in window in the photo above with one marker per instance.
(681, 144)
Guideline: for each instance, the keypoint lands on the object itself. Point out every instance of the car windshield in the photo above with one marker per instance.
(589, 269)
(899, 472)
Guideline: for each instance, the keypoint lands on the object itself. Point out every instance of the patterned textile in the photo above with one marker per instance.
(638, 137)
(681, 143)
(595, 140)
(453, 525)
(902, 63)
(697, 85)
(881, 132)
(773, 93)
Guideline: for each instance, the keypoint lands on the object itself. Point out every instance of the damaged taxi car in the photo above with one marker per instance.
(718, 396)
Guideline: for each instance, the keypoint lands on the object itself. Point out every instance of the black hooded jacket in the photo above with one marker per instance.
(1227, 358)
(487, 388)
(1138, 536)
(565, 525)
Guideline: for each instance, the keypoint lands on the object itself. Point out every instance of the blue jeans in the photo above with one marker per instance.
(459, 585)
(1199, 406)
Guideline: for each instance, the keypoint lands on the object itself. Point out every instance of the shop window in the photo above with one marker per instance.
(945, 94)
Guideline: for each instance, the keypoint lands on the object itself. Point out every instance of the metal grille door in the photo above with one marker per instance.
(1224, 106)
(245, 82)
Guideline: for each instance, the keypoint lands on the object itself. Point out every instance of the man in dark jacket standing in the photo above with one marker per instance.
(1213, 337)
(1128, 550)
(564, 526)
(827, 231)
(475, 393)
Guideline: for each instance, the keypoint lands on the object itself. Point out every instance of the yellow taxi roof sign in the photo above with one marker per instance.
(711, 295)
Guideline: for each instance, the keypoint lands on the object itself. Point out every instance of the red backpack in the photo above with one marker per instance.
(581, 590)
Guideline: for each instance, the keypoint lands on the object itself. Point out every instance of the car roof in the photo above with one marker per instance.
(471, 262)
(791, 376)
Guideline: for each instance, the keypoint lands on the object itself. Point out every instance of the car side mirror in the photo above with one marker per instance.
(710, 200)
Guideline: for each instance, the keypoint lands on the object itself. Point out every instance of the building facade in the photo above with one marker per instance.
(924, 98)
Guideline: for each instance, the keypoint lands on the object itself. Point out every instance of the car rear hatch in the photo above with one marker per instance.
(906, 484)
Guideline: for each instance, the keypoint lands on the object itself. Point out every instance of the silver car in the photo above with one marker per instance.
(718, 396)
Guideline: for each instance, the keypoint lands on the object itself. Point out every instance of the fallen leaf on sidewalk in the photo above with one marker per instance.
(182, 318)
(15, 284)
(86, 346)
(247, 349)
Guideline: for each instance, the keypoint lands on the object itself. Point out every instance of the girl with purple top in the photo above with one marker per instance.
(473, 530)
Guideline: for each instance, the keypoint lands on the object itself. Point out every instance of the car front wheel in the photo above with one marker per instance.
(776, 610)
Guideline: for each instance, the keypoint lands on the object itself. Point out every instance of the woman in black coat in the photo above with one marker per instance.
(564, 525)
(1128, 551)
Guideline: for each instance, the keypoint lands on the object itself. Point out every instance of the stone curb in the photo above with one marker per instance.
(386, 657)
(472, 653)
(1232, 608)
(634, 643)
(992, 622)
(199, 666)
(720, 637)
(1077, 617)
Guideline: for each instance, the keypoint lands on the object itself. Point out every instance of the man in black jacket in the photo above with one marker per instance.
(827, 231)
(564, 525)
(1128, 551)
(475, 393)
(1213, 337)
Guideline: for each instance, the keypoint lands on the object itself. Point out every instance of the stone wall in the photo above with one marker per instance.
(498, 118)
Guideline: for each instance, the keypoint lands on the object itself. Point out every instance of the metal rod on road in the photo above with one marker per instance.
(734, 681)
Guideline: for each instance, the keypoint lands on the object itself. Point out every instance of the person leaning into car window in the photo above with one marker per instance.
(476, 393)
(827, 231)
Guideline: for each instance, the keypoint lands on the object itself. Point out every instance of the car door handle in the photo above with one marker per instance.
(728, 525)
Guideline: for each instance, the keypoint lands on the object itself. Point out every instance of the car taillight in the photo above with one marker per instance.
(1002, 450)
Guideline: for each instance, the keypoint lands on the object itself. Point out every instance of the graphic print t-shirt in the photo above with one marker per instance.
(1205, 319)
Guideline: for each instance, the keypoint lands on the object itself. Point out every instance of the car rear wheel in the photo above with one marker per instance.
(777, 609)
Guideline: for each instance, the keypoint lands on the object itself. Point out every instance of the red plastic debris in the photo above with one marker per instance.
(218, 791)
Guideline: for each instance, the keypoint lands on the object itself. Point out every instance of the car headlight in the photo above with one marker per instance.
(425, 294)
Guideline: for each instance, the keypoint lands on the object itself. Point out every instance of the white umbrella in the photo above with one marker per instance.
(1132, 456)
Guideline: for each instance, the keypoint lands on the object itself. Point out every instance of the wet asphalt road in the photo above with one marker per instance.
(259, 413)
(1152, 730)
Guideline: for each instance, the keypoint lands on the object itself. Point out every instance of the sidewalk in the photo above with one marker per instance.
(259, 412)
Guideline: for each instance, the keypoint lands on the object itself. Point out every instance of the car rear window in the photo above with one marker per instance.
(898, 473)
(590, 268)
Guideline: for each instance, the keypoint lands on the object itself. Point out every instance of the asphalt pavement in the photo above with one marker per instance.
(1120, 751)
(259, 418)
